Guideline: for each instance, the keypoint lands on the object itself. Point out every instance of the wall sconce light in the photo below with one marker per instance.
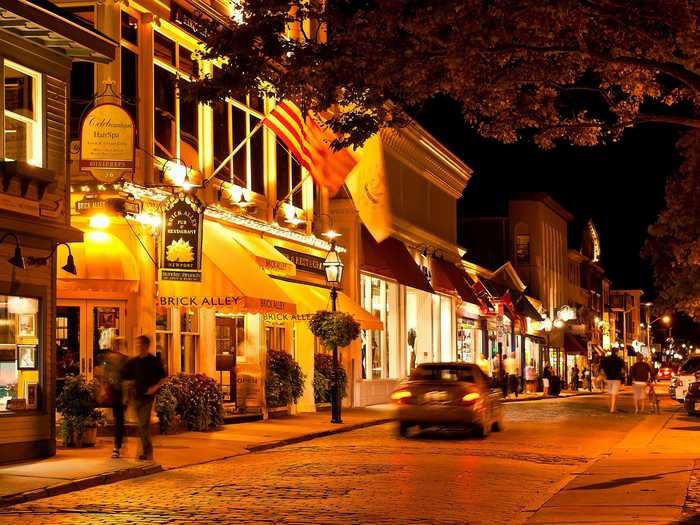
(17, 259)
(43, 261)
(178, 173)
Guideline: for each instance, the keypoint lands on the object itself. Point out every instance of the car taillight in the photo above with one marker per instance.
(471, 397)
(400, 394)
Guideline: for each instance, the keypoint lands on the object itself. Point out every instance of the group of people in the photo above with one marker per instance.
(612, 369)
(134, 381)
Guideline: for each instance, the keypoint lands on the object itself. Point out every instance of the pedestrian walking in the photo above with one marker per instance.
(612, 365)
(511, 375)
(530, 377)
(574, 378)
(642, 375)
(584, 377)
(148, 375)
(483, 363)
(109, 368)
(546, 377)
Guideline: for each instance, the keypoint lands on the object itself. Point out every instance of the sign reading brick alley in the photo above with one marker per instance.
(181, 255)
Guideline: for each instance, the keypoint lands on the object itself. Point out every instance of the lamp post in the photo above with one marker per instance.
(333, 267)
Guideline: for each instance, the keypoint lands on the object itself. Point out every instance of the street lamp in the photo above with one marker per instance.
(333, 267)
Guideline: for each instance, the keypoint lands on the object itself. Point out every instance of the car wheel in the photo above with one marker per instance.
(498, 424)
(403, 429)
(484, 428)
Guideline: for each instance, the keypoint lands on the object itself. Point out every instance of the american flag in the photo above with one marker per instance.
(310, 145)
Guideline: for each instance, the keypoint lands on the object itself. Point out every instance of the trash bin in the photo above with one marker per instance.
(554, 386)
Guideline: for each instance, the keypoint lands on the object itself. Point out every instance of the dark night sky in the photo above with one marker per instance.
(619, 186)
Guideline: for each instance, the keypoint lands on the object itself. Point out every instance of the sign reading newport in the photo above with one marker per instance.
(181, 256)
(107, 143)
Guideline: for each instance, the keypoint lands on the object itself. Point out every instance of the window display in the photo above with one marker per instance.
(19, 353)
(380, 352)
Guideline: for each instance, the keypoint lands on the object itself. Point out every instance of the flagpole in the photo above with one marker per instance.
(293, 190)
(235, 150)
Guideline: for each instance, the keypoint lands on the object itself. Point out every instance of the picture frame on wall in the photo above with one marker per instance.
(27, 357)
(27, 325)
(31, 394)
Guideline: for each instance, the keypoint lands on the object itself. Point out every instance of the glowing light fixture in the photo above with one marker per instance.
(17, 258)
(331, 235)
(333, 266)
(99, 222)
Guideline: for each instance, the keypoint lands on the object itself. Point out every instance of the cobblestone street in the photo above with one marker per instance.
(366, 476)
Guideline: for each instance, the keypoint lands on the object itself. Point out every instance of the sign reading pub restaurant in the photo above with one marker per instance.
(107, 143)
(181, 255)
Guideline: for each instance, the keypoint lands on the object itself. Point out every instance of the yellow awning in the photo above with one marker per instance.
(231, 280)
(104, 263)
(310, 299)
(264, 253)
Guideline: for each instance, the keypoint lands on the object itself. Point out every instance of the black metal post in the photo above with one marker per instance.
(335, 394)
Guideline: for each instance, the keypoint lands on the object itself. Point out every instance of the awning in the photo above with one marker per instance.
(264, 253)
(599, 350)
(575, 345)
(104, 263)
(524, 307)
(310, 299)
(232, 281)
(496, 290)
(447, 277)
(390, 258)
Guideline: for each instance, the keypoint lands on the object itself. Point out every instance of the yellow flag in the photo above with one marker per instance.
(368, 188)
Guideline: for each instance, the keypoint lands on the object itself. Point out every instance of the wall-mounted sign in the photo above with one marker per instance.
(120, 203)
(181, 255)
(566, 313)
(304, 261)
(107, 142)
(195, 24)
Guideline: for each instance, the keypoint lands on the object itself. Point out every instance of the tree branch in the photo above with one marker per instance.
(669, 119)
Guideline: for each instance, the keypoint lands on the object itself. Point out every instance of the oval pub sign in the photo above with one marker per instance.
(107, 143)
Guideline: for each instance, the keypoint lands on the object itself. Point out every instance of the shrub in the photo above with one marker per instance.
(77, 405)
(323, 378)
(285, 380)
(198, 402)
(334, 329)
(166, 408)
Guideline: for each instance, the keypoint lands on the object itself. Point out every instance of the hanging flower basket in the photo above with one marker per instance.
(334, 329)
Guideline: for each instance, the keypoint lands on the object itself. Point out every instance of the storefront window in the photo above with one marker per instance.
(233, 122)
(380, 352)
(82, 77)
(466, 340)
(230, 349)
(130, 65)
(419, 326)
(164, 335)
(23, 129)
(189, 335)
(446, 353)
(176, 120)
(20, 353)
(288, 176)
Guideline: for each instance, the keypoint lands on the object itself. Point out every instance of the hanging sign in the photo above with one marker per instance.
(181, 255)
(107, 142)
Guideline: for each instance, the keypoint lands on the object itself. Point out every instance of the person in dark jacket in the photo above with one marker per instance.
(109, 369)
(613, 367)
(148, 375)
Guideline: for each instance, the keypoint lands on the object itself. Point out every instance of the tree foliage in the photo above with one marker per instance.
(580, 70)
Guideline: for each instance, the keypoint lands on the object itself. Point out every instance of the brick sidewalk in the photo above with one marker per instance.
(76, 469)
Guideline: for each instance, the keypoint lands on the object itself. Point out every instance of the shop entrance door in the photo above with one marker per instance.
(83, 328)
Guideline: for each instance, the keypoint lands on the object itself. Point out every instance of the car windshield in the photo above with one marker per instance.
(432, 373)
(691, 365)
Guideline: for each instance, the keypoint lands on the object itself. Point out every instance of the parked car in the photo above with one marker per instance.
(448, 395)
(664, 373)
(686, 376)
(692, 398)
(672, 387)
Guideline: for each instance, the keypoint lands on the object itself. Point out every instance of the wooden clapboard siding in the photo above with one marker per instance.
(56, 123)
(18, 429)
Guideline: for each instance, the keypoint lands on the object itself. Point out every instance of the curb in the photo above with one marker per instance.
(79, 484)
(313, 435)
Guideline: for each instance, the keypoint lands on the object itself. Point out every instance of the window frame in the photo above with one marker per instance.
(36, 123)
(136, 50)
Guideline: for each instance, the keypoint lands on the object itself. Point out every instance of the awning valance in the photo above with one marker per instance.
(390, 258)
(232, 281)
(267, 257)
(575, 345)
(310, 299)
(447, 277)
(103, 262)
(525, 308)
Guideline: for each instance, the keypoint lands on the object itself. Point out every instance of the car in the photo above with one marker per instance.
(672, 387)
(664, 373)
(692, 398)
(686, 376)
(448, 395)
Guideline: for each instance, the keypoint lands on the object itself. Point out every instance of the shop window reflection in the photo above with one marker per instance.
(164, 336)
(230, 350)
(189, 335)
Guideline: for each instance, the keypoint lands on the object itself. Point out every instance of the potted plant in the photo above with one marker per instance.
(285, 380)
(80, 417)
(334, 329)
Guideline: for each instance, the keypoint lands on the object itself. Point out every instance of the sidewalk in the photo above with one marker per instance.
(76, 469)
(536, 396)
(643, 479)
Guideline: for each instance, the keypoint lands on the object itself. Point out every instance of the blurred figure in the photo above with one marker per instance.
(546, 376)
(511, 375)
(530, 377)
(613, 366)
(642, 375)
(574, 378)
(148, 375)
(483, 363)
(109, 366)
